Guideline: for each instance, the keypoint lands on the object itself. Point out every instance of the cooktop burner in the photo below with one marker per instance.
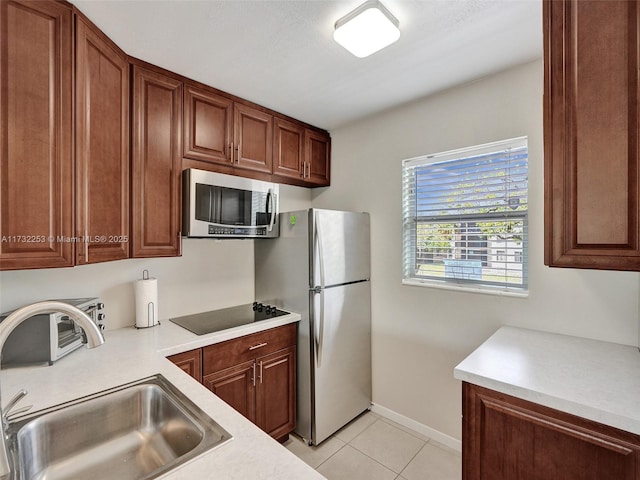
(216, 320)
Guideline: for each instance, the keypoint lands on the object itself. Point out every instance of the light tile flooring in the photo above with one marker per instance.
(372, 447)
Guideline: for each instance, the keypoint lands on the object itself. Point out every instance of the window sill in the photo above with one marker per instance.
(465, 288)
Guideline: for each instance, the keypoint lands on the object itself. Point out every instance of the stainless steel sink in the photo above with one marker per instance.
(137, 431)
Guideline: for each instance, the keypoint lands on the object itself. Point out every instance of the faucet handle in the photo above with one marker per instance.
(12, 403)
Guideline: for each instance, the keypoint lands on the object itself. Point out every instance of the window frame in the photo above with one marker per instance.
(468, 283)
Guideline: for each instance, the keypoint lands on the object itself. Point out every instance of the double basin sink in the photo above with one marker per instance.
(140, 430)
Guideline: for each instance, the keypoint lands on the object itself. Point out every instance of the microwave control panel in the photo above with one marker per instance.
(217, 230)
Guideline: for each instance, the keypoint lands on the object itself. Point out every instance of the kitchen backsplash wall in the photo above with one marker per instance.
(210, 274)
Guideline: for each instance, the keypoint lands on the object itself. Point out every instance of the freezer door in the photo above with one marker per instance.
(341, 380)
(340, 247)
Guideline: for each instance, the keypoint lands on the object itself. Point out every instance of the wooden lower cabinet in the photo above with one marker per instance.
(255, 374)
(190, 362)
(506, 438)
(275, 393)
(263, 390)
(235, 385)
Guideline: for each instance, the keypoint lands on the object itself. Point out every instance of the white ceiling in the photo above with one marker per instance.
(281, 54)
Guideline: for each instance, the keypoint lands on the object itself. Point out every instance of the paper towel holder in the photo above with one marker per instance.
(152, 321)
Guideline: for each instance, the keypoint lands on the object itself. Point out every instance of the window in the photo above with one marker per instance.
(465, 217)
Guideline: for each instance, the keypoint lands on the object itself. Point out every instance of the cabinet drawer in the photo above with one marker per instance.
(232, 352)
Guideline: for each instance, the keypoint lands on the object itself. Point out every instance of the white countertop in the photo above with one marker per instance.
(128, 355)
(596, 380)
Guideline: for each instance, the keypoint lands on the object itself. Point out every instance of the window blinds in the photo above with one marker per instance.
(465, 216)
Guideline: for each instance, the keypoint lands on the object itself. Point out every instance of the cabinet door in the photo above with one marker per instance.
(253, 134)
(190, 362)
(208, 126)
(317, 155)
(36, 157)
(288, 153)
(276, 393)
(102, 147)
(505, 438)
(591, 152)
(156, 164)
(236, 386)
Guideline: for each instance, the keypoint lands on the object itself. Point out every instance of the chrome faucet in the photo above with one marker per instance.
(94, 339)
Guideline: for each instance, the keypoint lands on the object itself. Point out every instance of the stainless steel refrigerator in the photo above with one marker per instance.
(320, 268)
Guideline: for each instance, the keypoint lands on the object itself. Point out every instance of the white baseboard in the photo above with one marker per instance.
(422, 429)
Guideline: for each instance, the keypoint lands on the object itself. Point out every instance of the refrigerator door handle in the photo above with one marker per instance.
(319, 253)
(320, 335)
(319, 257)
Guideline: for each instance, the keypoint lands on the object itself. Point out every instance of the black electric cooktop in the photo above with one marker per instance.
(216, 320)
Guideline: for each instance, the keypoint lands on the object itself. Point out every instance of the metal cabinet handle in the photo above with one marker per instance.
(253, 375)
(260, 375)
(238, 153)
(231, 152)
(260, 345)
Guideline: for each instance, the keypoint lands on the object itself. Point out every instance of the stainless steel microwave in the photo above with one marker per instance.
(215, 205)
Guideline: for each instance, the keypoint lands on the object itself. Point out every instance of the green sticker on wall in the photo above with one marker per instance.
(292, 219)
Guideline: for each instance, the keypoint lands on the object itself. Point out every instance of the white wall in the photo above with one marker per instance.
(420, 334)
(211, 274)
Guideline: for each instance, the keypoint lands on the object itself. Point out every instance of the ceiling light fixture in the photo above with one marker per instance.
(367, 29)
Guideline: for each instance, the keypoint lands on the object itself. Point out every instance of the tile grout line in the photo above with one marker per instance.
(330, 456)
(345, 444)
(379, 463)
(412, 458)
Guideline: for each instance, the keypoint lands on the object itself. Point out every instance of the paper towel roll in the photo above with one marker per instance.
(146, 302)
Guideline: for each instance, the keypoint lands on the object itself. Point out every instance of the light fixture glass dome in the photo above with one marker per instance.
(367, 29)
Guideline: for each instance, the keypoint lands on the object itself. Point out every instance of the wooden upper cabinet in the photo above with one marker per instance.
(317, 155)
(591, 134)
(208, 126)
(36, 154)
(102, 147)
(156, 164)
(301, 154)
(288, 149)
(253, 138)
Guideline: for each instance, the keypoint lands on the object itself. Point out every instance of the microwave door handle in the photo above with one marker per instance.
(272, 214)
